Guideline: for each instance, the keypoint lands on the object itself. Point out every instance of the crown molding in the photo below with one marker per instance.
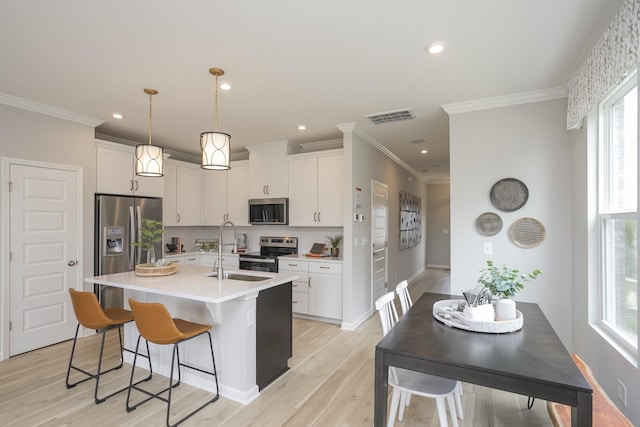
(351, 127)
(505, 101)
(25, 104)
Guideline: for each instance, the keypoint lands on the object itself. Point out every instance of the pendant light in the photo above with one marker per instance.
(149, 158)
(215, 145)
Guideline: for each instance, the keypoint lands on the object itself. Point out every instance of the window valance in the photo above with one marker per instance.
(617, 52)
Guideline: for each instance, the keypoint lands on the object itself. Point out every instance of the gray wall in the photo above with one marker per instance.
(365, 162)
(439, 225)
(528, 142)
(33, 136)
(607, 364)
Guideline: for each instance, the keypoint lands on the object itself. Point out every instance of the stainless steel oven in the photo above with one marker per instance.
(270, 249)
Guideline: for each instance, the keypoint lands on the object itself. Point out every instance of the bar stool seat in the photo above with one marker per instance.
(90, 314)
(156, 325)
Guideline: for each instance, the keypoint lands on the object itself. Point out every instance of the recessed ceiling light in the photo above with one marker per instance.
(424, 151)
(435, 48)
(225, 86)
(302, 127)
(117, 116)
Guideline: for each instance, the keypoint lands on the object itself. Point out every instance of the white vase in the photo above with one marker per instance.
(505, 309)
(481, 313)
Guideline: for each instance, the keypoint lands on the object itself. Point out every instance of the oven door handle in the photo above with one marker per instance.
(260, 260)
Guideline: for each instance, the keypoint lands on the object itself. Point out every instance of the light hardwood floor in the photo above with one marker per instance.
(330, 383)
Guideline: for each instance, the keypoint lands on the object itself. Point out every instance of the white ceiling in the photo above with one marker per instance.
(318, 63)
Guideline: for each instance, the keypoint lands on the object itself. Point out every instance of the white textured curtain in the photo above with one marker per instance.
(617, 52)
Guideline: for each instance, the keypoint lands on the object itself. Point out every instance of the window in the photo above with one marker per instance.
(618, 214)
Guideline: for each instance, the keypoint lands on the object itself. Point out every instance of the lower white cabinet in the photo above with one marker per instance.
(184, 259)
(228, 260)
(318, 290)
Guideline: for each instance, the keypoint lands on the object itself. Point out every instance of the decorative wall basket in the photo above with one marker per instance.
(527, 233)
(489, 224)
(410, 220)
(509, 194)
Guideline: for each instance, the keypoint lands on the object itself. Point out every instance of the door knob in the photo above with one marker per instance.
(71, 263)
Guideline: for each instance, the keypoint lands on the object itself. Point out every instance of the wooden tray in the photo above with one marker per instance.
(457, 320)
(165, 270)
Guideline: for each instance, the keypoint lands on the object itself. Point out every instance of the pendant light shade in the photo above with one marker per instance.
(149, 158)
(215, 146)
(215, 150)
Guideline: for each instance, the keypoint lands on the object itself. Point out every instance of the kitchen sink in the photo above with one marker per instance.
(238, 276)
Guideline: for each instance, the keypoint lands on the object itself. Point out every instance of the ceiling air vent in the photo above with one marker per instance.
(391, 116)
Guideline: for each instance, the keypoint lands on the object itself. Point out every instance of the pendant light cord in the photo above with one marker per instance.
(215, 119)
(150, 116)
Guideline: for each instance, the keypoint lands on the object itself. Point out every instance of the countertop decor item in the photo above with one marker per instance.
(151, 233)
(159, 270)
(509, 194)
(505, 281)
(451, 313)
(527, 233)
(335, 242)
(489, 224)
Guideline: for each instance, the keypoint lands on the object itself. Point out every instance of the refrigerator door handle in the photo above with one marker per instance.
(133, 234)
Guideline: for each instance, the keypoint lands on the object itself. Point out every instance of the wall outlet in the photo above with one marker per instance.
(488, 248)
(622, 393)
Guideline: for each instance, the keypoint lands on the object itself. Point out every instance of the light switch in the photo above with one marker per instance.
(355, 242)
(488, 248)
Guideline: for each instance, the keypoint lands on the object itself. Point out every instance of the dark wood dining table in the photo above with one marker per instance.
(531, 361)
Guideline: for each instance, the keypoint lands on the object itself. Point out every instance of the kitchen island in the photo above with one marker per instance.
(251, 318)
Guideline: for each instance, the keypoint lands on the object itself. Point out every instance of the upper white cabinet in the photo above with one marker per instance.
(316, 195)
(226, 194)
(268, 166)
(182, 202)
(115, 172)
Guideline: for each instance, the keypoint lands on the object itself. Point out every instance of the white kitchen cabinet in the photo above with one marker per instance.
(300, 286)
(316, 182)
(182, 202)
(190, 259)
(226, 194)
(268, 169)
(325, 290)
(318, 290)
(115, 172)
(228, 260)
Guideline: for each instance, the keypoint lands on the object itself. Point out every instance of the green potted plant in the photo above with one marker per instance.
(504, 282)
(335, 242)
(152, 232)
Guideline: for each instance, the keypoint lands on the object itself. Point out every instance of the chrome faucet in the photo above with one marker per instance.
(235, 240)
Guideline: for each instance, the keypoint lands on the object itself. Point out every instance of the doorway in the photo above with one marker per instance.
(379, 239)
(43, 222)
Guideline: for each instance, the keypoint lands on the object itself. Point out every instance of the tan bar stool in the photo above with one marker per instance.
(156, 325)
(90, 315)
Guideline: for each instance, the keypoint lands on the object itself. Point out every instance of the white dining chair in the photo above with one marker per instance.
(402, 289)
(412, 382)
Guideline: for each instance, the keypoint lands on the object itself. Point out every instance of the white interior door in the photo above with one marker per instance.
(43, 221)
(379, 233)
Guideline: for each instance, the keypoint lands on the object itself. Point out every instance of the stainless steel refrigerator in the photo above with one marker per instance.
(117, 224)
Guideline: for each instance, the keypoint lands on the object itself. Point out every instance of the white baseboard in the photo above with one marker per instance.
(438, 266)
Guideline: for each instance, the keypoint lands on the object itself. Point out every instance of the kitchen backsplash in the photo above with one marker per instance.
(307, 236)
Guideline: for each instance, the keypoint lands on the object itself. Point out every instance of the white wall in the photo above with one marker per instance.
(439, 225)
(366, 162)
(528, 142)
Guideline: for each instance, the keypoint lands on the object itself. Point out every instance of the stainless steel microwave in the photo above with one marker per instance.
(269, 211)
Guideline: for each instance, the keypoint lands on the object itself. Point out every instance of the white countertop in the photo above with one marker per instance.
(192, 282)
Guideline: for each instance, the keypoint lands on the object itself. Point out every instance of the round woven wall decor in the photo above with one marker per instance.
(489, 224)
(527, 233)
